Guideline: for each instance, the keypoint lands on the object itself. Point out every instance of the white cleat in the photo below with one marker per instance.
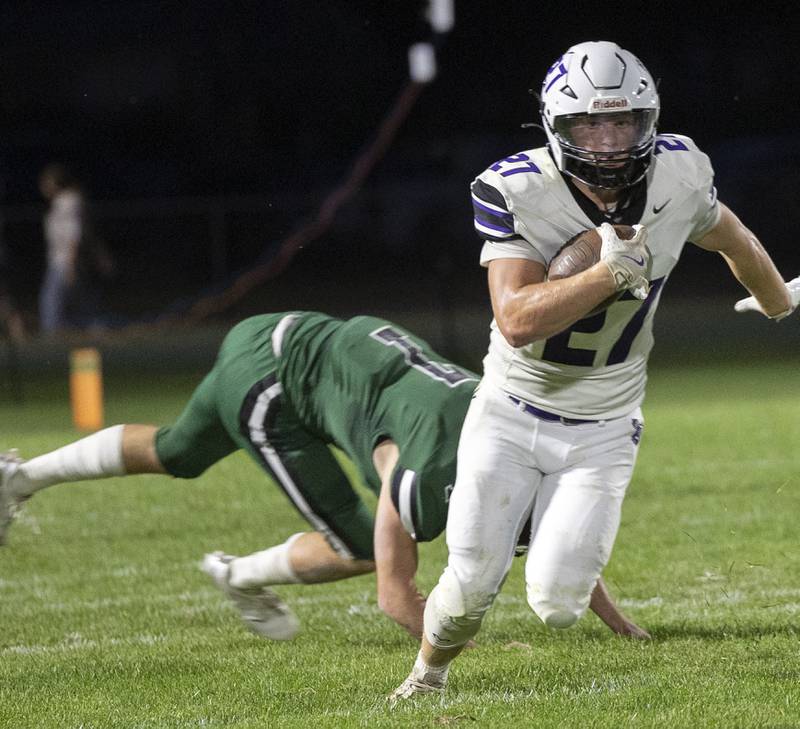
(10, 501)
(413, 687)
(261, 610)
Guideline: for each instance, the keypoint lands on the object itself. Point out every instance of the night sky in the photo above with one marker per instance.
(158, 98)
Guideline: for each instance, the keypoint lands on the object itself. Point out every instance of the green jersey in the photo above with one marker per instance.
(285, 386)
(364, 380)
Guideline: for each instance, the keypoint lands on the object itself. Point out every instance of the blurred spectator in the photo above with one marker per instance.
(75, 256)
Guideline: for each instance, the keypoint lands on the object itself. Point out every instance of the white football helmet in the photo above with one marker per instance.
(599, 108)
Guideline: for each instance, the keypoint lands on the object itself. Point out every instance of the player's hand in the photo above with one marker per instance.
(628, 260)
(750, 303)
(630, 630)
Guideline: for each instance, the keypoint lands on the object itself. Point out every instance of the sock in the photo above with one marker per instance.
(269, 567)
(97, 456)
(431, 675)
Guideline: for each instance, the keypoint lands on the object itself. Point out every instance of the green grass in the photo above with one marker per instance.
(105, 620)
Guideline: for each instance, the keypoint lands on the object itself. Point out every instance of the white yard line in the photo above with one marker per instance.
(75, 641)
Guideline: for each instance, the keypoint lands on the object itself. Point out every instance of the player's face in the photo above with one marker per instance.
(615, 132)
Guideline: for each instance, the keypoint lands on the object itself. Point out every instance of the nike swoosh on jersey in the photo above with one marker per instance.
(657, 209)
(638, 261)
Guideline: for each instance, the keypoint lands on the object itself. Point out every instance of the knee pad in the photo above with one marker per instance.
(449, 596)
(560, 619)
(453, 615)
(556, 610)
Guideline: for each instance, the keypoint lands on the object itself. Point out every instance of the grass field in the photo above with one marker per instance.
(107, 622)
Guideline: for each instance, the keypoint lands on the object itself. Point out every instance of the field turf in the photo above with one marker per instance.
(106, 621)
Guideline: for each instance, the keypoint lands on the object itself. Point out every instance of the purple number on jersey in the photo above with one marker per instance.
(557, 348)
(515, 165)
(673, 145)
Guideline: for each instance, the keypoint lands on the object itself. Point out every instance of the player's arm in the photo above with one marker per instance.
(396, 567)
(749, 262)
(527, 308)
(395, 552)
(605, 609)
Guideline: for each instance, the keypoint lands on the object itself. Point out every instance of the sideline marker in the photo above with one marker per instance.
(86, 388)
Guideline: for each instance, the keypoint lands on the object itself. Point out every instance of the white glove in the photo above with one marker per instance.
(628, 260)
(750, 303)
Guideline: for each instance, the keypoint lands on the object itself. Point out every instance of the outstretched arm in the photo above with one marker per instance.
(751, 303)
(605, 609)
(749, 262)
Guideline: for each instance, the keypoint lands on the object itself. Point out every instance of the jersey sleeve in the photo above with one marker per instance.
(493, 220)
(422, 507)
(496, 224)
(705, 196)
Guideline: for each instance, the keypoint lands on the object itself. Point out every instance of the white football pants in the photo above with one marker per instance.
(512, 466)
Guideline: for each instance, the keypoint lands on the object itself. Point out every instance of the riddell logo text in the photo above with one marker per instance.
(599, 104)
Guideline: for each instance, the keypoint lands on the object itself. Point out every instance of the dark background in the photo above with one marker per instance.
(207, 132)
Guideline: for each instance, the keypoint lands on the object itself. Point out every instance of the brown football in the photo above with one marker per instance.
(580, 252)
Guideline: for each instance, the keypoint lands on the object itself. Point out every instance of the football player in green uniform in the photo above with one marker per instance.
(285, 387)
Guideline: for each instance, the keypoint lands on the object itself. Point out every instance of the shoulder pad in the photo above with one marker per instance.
(683, 158)
(521, 174)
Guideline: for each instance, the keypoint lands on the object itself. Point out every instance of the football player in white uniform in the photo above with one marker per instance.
(553, 430)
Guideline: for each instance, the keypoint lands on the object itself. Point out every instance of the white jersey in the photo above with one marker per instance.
(524, 208)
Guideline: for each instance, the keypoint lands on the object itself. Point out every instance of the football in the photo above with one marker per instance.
(581, 252)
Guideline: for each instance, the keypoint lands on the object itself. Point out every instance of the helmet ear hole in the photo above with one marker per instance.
(566, 89)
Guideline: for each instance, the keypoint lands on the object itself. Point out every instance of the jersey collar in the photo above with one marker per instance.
(629, 210)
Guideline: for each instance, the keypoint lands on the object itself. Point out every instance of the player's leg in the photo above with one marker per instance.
(189, 446)
(139, 453)
(313, 561)
(304, 558)
(341, 545)
(575, 521)
(99, 455)
(601, 603)
(489, 506)
(51, 300)
(268, 428)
